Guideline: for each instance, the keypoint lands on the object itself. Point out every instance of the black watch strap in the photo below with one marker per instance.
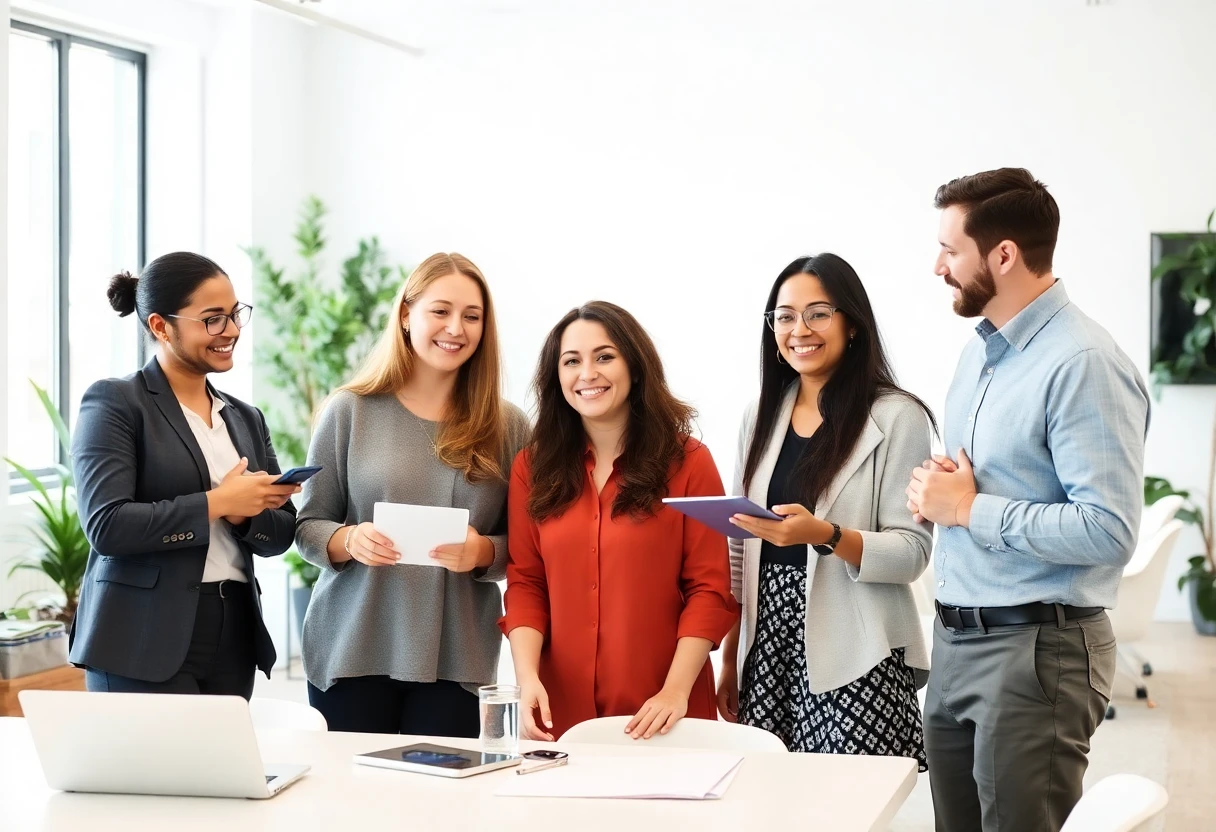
(829, 547)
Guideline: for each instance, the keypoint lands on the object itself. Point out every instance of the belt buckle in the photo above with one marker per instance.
(961, 619)
(942, 614)
(221, 589)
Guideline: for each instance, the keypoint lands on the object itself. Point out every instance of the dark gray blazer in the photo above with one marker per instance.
(141, 483)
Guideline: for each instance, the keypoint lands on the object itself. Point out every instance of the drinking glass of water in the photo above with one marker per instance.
(499, 718)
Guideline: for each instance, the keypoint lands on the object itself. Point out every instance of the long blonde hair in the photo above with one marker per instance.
(472, 435)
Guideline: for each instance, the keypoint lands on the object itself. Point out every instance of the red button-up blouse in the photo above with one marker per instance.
(612, 596)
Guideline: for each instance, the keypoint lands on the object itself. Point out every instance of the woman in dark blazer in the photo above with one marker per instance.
(175, 488)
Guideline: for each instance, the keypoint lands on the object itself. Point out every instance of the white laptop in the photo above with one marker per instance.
(150, 743)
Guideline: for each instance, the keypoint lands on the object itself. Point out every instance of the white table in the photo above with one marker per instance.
(841, 793)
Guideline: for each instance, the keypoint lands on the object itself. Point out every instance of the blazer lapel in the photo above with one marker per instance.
(158, 385)
(870, 438)
(238, 431)
(758, 494)
(764, 470)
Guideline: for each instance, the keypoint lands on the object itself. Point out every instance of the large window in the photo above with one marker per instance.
(76, 216)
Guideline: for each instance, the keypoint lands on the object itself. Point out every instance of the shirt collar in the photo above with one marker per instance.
(1020, 331)
(217, 404)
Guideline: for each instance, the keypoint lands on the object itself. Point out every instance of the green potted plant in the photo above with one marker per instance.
(306, 576)
(62, 551)
(1200, 577)
(1192, 275)
(320, 328)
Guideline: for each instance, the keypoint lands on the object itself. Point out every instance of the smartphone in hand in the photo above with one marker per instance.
(297, 475)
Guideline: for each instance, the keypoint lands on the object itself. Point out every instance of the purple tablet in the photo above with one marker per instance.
(716, 512)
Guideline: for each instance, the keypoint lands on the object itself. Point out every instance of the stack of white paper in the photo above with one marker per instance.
(692, 776)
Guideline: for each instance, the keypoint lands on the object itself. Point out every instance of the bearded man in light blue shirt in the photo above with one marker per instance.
(1037, 504)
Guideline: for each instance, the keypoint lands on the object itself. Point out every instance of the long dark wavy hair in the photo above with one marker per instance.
(864, 374)
(659, 423)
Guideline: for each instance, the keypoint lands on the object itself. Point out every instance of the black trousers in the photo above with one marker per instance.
(221, 657)
(381, 705)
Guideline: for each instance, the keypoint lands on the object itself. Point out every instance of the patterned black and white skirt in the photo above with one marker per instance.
(876, 714)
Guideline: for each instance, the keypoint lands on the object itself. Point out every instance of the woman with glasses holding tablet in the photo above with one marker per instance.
(832, 647)
(175, 485)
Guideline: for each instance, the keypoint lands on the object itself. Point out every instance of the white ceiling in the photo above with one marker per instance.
(428, 23)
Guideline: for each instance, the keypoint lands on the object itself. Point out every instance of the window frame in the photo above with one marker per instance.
(61, 394)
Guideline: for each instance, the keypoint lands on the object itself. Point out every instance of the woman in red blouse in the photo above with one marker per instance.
(613, 599)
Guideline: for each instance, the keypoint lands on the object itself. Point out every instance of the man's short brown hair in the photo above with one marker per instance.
(1006, 204)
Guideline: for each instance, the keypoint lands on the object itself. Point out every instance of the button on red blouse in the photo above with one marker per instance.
(612, 596)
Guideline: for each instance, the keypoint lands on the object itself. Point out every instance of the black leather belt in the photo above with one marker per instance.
(224, 589)
(981, 618)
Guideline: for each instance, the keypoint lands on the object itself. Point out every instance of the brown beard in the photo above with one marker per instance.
(975, 294)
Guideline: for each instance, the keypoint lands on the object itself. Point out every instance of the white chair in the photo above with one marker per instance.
(1139, 590)
(1152, 520)
(272, 714)
(1158, 514)
(1118, 803)
(687, 733)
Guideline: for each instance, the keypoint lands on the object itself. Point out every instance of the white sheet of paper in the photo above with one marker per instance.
(416, 530)
(692, 776)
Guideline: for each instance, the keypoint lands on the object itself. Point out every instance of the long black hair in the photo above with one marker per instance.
(163, 288)
(864, 374)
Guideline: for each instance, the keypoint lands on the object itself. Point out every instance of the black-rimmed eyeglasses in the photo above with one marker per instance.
(216, 324)
(817, 317)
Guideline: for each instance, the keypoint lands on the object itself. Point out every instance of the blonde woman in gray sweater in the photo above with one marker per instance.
(394, 648)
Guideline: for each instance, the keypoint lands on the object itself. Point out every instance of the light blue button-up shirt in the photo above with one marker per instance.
(1053, 416)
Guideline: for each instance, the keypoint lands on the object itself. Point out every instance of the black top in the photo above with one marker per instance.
(780, 493)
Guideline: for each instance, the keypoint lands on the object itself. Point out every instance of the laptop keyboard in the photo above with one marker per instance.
(269, 778)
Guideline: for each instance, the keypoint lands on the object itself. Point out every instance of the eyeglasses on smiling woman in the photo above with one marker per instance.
(216, 324)
(817, 317)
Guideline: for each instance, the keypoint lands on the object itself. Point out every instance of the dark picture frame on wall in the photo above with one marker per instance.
(1173, 321)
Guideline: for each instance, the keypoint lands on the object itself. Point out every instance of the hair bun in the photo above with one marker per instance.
(122, 293)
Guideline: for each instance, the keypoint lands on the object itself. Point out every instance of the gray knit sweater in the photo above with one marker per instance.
(412, 623)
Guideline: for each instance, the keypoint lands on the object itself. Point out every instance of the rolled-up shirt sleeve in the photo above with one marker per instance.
(527, 598)
(710, 608)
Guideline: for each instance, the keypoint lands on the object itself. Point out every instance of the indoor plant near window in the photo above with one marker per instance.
(62, 551)
(1184, 343)
(319, 330)
(1200, 578)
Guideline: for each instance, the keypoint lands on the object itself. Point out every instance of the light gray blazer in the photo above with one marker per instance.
(854, 618)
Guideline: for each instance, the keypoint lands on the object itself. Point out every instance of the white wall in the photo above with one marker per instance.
(282, 121)
(673, 157)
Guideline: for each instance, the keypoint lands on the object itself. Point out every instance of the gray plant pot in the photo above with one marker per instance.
(1202, 625)
(300, 596)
